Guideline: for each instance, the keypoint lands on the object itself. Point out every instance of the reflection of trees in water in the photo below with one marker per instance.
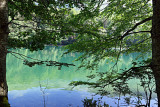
(44, 93)
(26, 75)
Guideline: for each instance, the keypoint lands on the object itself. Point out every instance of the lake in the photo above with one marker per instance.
(46, 86)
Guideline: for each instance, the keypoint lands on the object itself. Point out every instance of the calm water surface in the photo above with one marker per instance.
(43, 86)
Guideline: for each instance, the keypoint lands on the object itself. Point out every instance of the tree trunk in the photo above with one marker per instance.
(156, 45)
(3, 51)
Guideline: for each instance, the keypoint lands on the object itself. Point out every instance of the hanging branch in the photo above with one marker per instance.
(118, 55)
(38, 62)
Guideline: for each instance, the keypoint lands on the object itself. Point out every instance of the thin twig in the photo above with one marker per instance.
(17, 57)
(23, 55)
(120, 49)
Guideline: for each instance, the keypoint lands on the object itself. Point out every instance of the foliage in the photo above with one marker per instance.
(48, 63)
(120, 27)
(94, 103)
(36, 23)
(33, 24)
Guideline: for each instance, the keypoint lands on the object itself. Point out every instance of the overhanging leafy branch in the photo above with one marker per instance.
(134, 27)
(37, 61)
(109, 78)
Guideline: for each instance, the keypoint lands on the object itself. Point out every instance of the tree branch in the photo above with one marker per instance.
(131, 70)
(140, 32)
(135, 26)
(39, 62)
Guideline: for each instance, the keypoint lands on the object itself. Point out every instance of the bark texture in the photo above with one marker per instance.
(4, 101)
(156, 45)
(3, 51)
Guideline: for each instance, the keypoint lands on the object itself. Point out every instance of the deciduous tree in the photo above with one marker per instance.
(33, 24)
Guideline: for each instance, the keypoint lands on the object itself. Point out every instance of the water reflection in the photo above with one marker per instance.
(41, 86)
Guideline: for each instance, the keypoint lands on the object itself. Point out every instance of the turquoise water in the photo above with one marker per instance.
(44, 86)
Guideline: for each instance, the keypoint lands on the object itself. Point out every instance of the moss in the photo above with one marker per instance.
(4, 102)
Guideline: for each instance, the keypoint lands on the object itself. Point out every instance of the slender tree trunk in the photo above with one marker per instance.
(3, 51)
(156, 45)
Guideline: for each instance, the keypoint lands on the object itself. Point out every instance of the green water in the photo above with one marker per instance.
(21, 77)
(28, 86)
